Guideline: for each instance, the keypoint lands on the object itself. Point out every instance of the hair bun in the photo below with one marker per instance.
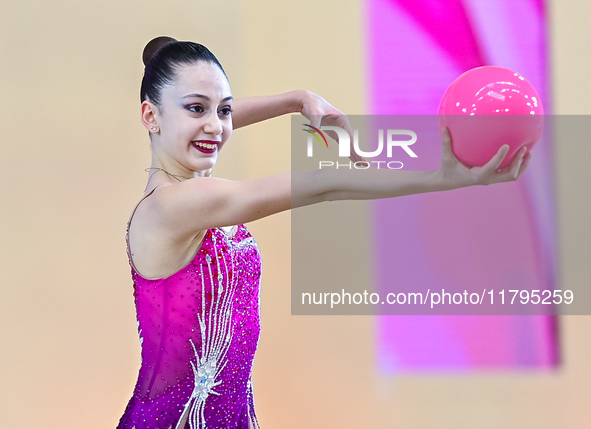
(153, 45)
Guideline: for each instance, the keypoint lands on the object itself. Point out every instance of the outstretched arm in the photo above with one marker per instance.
(200, 203)
(312, 187)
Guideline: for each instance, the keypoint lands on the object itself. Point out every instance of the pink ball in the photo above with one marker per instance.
(487, 107)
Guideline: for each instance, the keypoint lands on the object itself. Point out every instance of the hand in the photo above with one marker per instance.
(456, 174)
(320, 112)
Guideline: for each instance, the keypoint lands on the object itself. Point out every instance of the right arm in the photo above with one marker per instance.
(206, 202)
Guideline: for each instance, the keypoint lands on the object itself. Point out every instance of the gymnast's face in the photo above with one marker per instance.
(194, 119)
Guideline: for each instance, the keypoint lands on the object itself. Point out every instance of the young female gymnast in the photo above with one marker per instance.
(195, 267)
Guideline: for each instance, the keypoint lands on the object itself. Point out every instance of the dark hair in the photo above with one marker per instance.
(163, 56)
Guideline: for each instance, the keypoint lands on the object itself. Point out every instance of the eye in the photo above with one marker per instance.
(226, 111)
(196, 108)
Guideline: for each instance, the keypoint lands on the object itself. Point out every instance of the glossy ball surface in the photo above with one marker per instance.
(487, 107)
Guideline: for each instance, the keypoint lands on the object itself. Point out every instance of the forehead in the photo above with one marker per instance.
(201, 78)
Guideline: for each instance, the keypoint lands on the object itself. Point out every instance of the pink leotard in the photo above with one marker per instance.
(199, 330)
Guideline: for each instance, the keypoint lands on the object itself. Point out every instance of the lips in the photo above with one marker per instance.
(205, 146)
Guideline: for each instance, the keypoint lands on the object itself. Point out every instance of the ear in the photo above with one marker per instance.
(150, 115)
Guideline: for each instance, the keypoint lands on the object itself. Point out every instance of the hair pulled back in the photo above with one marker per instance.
(163, 56)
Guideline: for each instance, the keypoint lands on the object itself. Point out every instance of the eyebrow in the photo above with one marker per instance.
(205, 97)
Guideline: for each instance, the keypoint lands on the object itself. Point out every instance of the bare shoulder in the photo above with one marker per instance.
(156, 251)
(198, 204)
(170, 224)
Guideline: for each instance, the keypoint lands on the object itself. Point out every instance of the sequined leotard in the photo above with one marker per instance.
(199, 330)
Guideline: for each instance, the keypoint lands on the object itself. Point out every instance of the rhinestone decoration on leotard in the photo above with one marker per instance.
(216, 335)
(199, 331)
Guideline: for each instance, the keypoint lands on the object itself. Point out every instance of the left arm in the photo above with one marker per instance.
(250, 110)
(317, 110)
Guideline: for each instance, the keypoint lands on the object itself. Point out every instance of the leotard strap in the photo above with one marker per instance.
(129, 223)
(137, 205)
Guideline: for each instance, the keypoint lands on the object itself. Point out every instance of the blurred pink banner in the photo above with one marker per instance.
(501, 236)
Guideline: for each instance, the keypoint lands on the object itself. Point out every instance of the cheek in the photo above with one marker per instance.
(184, 129)
(227, 133)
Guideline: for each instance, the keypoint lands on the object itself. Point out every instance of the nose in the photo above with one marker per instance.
(213, 125)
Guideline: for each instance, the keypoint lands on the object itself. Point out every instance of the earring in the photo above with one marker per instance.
(154, 128)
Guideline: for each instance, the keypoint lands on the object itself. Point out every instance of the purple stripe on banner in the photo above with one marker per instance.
(447, 24)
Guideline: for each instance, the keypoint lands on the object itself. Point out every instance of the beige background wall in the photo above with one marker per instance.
(71, 169)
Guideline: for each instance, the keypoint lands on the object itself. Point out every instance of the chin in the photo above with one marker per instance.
(202, 166)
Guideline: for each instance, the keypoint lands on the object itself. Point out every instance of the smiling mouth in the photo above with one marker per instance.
(205, 145)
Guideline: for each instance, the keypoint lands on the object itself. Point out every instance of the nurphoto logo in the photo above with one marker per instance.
(344, 139)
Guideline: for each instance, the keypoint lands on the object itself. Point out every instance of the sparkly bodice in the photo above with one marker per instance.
(199, 330)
